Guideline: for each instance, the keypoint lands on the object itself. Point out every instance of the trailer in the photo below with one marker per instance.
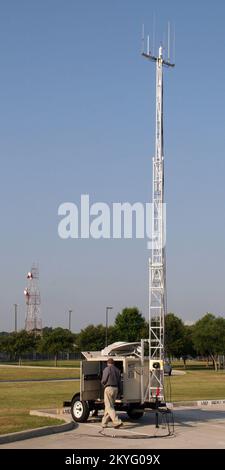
(137, 371)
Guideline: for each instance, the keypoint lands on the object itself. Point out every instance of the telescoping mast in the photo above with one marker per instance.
(157, 260)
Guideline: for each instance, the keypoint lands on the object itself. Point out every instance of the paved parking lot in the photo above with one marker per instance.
(201, 428)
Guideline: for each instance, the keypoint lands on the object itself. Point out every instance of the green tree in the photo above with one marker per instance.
(188, 345)
(209, 336)
(7, 344)
(145, 331)
(56, 341)
(129, 325)
(112, 335)
(47, 330)
(3, 333)
(17, 344)
(174, 336)
(92, 338)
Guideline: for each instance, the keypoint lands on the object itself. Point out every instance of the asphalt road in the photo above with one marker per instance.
(193, 428)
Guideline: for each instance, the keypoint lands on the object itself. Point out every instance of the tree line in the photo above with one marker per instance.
(206, 337)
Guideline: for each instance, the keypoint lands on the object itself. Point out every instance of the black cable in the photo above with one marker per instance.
(166, 417)
(114, 436)
(135, 436)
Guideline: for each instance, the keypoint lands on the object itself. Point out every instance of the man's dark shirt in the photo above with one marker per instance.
(111, 377)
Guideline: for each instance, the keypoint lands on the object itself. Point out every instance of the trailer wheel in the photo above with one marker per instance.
(79, 409)
(134, 413)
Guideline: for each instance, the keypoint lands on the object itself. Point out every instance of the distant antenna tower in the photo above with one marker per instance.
(157, 262)
(33, 300)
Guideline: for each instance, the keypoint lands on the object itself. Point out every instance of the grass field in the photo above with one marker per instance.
(17, 400)
(67, 363)
(193, 365)
(18, 373)
(21, 422)
(190, 364)
(196, 385)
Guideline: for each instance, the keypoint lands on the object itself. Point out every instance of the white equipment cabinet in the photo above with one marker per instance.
(136, 372)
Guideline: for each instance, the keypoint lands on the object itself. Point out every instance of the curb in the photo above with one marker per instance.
(197, 403)
(55, 413)
(38, 432)
(177, 404)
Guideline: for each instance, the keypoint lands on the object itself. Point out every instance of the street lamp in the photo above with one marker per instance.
(15, 313)
(70, 312)
(106, 325)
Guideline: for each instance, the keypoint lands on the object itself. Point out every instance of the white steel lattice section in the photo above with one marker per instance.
(157, 270)
(157, 262)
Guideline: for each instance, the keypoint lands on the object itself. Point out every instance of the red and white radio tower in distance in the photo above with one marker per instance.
(33, 321)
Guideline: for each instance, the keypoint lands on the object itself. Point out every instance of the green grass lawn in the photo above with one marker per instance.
(196, 385)
(22, 422)
(18, 399)
(193, 364)
(46, 363)
(20, 373)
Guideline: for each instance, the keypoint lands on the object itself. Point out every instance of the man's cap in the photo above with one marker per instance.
(110, 360)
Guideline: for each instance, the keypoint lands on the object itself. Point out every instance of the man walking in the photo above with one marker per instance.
(111, 380)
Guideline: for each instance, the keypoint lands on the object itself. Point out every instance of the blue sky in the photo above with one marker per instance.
(77, 116)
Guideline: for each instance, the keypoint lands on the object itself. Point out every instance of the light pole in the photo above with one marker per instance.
(106, 325)
(70, 311)
(15, 306)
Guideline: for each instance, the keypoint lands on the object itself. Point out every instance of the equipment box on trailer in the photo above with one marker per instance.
(134, 368)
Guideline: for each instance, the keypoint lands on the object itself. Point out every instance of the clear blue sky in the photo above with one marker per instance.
(77, 116)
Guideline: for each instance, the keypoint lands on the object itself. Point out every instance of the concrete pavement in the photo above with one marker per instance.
(194, 428)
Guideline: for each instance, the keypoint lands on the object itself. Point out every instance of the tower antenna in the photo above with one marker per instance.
(33, 300)
(174, 44)
(143, 38)
(168, 45)
(148, 45)
(157, 261)
(153, 33)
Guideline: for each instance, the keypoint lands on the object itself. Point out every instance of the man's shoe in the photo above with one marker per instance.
(118, 425)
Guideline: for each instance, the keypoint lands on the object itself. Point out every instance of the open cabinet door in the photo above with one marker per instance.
(90, 380)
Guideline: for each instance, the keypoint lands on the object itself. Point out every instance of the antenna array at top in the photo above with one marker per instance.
(165, 50)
